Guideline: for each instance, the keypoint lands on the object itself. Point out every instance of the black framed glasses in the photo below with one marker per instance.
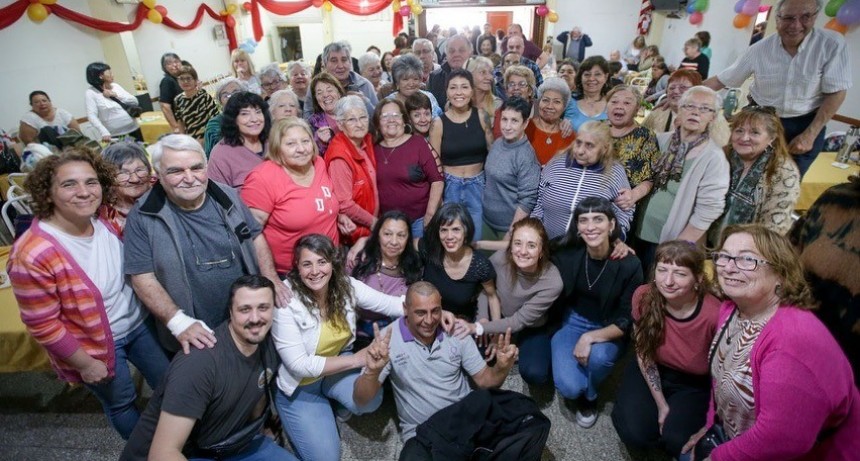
(744, 263)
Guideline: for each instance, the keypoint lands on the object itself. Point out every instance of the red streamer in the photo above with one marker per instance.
(98, 24)
(10, 14)
(198, 17)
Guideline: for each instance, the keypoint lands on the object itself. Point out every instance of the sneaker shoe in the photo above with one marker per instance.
(341, 413)
(586, 413)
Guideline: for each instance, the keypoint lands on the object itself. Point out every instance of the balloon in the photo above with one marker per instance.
(410, 2)
(763, 9)
(247, 6)
(327, 6)
(37, 12)
(417, 9)
(47, 2)
(405, 10)
(552, 17)
(739, 6)
(318, 3)
(849, 14)
(836, 26)
(741, 21)
(161, 10)
(751, 7)
(231, 8)
(542, 11)
(230, 22)
(148, 3)
(696, 18)
(702, 5)
(154, 16)
(833, 7)
(691, 8)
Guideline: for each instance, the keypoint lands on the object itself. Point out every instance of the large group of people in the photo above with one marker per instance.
(432, 216)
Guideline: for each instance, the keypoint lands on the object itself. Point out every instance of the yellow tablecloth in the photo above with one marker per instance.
(18, 350)
(153, 125)
(821, 176)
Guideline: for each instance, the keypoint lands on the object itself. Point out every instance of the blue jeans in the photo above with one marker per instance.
(794, 126)
(117, 396)
(418, 228)
(572, 379)
(534, 345)
(470, 193)
(308, 417)
(262, 448)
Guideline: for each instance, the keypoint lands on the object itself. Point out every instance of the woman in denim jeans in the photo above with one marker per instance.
(462, 136)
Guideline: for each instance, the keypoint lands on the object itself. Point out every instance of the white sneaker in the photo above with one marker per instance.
(586, 413)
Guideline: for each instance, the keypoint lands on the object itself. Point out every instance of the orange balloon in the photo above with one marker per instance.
(552, 16)
(836, 26)
(37, 12)
(154, 16)
(741, 21)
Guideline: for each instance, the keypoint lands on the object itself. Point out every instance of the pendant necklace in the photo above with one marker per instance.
(587, 278)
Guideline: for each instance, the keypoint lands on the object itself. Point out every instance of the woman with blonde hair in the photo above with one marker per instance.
(243, 69)
(483, 97)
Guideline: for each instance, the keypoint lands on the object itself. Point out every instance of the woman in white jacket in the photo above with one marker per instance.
(314, 336)
(105, 101)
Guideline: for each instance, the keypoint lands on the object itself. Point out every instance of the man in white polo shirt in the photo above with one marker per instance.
(801, 71)
(427, 367)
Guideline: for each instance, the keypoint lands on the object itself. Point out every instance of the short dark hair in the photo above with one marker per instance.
(418, 100)
(519, 105)
(460, 73)
(38, 93)
(254, 282)
(704, 37)
(590, 205)
(237, 102)
(94, 74)
(590, 63)
(614, 67)
(447, 214)
(121, 152)
(377, 114)
(187, 70)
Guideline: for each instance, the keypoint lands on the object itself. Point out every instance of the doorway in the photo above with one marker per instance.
(290, 44)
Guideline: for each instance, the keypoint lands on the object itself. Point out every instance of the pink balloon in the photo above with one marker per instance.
(751, 7)
(763, 8)
(739, 6)
(542, 10)
(696, 18)
(405, 10)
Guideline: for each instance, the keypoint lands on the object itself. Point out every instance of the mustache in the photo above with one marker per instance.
(250, 325)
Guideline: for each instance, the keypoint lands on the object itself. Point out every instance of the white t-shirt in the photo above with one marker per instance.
(61, 120)
(101, 257)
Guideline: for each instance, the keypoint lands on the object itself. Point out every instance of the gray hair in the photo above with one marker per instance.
(345, 104)
(701, 90)
(174, 142)
(293, 64)
(819, 4)
(280, 94)
(272, 70)
(122, 152)
(367, 59)
(462, 37)
(336, 47)
(479, 61)
(405, 66)
(422, 41)
(222, 85)
(556, 84)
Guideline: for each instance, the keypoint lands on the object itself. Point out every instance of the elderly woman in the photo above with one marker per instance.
(544, 130)
(590, 97)
(243, 69)
(408, 173)
(133, 179)
(690, 177)
(272, 80)
(351, 162)
(462, 136)
(106, 104)
(646, 59)
(486, 45)
(664, 119)
(664, 394)
(299, 74)
(370, 67)
(66, 273)
(782, 388)
(765, 181)
(519, 82)
(44, 115)
(212, 133)
(326, 92)
(387, 60)
(567, 70)
(420, 110)
(633, 53)
(406, 72)
(245, 128)
(483, 97)
(659, 81)
(169, 88)
(635, 146)
(588, 169)
(193, 108)
(290, 192)
(283, 104)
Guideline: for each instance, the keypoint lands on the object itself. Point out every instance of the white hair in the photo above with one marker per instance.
(281, 94)
(174, 142)
(701, 90)
(368, 59)
(347, 103)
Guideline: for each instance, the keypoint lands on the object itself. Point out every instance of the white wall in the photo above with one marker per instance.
(611, 24)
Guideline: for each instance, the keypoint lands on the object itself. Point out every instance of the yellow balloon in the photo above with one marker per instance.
(410, 2)
(327, 6)
(417, 9)
(47, 2)
(37, 12)
(154, 16)
(552, 16)
(231, 8)
(149, 3)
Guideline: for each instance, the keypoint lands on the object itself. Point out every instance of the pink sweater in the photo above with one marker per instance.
(803, 387)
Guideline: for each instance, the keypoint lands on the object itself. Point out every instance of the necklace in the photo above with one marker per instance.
(392, 267)
(587, 278)
(387, 156)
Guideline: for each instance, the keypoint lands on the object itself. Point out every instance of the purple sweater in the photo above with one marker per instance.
(803, 386)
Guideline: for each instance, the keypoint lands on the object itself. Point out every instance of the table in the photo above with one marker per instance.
(18, 350)
(820, 177)
(153, 125)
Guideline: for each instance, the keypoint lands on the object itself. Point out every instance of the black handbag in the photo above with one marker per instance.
(132, 111)
(715, 435)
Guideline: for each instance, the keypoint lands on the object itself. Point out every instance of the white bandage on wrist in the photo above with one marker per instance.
(479, 329)
(180, 322)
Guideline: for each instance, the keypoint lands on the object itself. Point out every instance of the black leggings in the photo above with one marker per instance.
(635, 412)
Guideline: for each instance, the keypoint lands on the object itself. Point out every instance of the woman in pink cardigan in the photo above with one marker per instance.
(66, 273)
(782, 388)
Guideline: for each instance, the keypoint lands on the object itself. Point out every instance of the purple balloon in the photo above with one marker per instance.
(739, 6)
(751, 7)
(849, 14)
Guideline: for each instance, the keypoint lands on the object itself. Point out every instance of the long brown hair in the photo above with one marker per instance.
(543, 260)
(765, 117)
(339, 288)
(650, 328)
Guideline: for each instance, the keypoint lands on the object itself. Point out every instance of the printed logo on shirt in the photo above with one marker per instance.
(320, 204)
(265, 377)
(326, 191)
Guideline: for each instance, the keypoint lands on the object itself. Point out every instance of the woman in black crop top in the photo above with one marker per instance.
(462, 138)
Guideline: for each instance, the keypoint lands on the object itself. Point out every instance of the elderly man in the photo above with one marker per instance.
(801, 71)
(488, 34)
(575, 43)
(515, 45)
(458, 49)
(213, 402)
(530, 50)
(428, 367)
(423, 48)
(186, 240)
(336, 60)
(271, 80)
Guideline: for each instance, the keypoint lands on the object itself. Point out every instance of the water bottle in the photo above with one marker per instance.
(851, 137)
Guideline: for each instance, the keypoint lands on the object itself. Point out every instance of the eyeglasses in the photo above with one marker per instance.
(390, 116)
(803, 18)
(515, 85)
(698, 109)
(186, 79)
(353, 120)
(744, 263)
(207, 265)
(273, 84)
(125, 175)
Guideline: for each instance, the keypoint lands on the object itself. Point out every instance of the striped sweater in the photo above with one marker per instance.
(60, 306)
(564, 183)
